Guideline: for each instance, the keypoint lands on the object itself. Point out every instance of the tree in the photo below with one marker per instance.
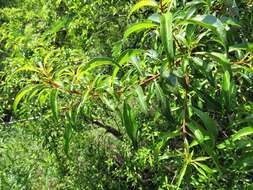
(168, 93)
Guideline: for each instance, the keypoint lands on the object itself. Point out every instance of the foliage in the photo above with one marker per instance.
(170, 97)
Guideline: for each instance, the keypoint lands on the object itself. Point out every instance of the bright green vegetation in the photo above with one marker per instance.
(116, 94)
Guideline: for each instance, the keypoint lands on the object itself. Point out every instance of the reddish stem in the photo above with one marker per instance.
(161, 6)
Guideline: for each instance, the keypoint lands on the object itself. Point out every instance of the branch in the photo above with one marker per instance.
(21, 120)
(145, 82)
(108, 128)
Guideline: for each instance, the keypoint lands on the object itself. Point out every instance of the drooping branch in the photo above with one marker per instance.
(108, 128)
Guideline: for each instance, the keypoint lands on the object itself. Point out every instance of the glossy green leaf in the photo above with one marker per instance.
(210, 22)
(54, 103)
(167, 35)
(141, 4)
(241, 46)
(199, 169)
(100, 61)
(139, 27)
(197, 132)
(181, 175)
(242, 133)
(160, 94)
(226, 81)
(205, 168)
(142, 99)
(237, 136)
(58, 25)
(21, 94)
(130, 124)
(67, 137)
(218, 56)
(209, 123)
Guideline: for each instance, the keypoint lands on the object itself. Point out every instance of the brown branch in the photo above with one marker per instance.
(244, 61)
(57, 86)
(145, 82)
(161, 6)
(108, 128)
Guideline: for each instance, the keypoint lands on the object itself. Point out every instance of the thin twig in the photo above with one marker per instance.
(21, 120)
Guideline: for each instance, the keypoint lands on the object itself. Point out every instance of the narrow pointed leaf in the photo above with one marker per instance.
(212, 23)
(53, 102)
(141, 99)
(141, 4)
(130, 123)
(237, 136)
(139, 27)
(166, 34)
(67, 137)
(21, 94)
(209, 123)
(181, 175)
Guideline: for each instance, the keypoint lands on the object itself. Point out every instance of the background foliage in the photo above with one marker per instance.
(126, 95)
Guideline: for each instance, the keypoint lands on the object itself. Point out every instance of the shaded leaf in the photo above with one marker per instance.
(141, 99)
(130, 123)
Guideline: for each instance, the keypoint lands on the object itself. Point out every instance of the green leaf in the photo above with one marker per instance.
(216, 55)
(245, 161)
(127, 55)
(243, 46)
(237, 136)
(229, 91)
(85, 96)
(141, 99)
(166, 35)
(124, 58)
(199, 169)
(164, 139)
(209, 123)
(205, 168)
(67, 137)
(21, 94)
(141, 4)
(202, 158)
(201, 140)
(181, 175)
(100, 61)
(212, 23)
(226, 81)
(242, 133)
(58, 25)
(198, 133)
(53, 103)
(196, 142)
(130, 123)
(160, 94)
(139, 27)
(28, 68)
(108, 102)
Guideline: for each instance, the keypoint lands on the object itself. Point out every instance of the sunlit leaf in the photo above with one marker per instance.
(141, 4)
(210, 22)
(139, 27)
(237, 136)
(166, 35)
(21, 94)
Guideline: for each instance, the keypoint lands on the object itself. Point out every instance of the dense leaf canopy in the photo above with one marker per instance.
(126, 94)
